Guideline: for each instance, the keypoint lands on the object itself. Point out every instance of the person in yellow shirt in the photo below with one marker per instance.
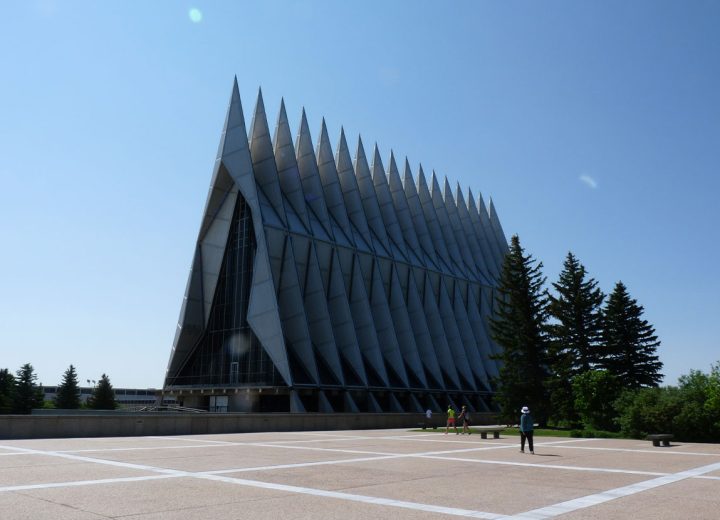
(451, 420)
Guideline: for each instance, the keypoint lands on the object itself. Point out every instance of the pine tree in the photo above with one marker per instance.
(7, 391)
(28, 394)
(629, 342)
(103, 396)
(68, 393)
(519, 327)
(576, 335)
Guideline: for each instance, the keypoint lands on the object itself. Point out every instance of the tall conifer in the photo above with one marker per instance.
(103, 396)
(7, 391)
(68, 392)
(629, 342)
(576, 334)
(28, 394)
(519, 327)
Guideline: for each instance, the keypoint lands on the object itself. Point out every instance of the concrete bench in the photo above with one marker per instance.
(657, 438)
(484, 430)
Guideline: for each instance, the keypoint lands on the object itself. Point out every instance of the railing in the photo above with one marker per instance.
(166, 408)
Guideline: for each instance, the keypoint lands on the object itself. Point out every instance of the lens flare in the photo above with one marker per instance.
(195, 15)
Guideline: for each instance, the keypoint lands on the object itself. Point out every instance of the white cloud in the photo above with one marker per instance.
(589, 181)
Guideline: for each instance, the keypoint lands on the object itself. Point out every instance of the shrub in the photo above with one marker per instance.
(595, 392)
(687, 411)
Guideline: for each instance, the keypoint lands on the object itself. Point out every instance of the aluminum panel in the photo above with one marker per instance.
(402, 210)
(350, 190)
(369, 198)
(263, 159)
(287, 167)
(310, 177)
(387, 208)
(331, 183)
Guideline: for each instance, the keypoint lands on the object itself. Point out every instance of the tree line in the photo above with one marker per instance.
(20, 393)
(558, 348)
(582, 360)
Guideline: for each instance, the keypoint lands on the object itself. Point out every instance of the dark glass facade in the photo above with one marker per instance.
(229, 354)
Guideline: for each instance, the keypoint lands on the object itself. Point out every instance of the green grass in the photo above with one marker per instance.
(540, 432)
(543, 432)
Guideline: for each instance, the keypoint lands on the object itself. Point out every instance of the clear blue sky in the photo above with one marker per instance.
(594, 126)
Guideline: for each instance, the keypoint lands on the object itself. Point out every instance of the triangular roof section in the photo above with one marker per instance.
(486, 246)
(471, 237)
(292, 312)
(288, 169)
(364, 325)
(369, 198)
(402, 210)
(458, 231)
(487, 226)
(318, 316)
(385, 200)
(418, 216)
(331, 183)
(454, 338)
(191, 321)
(479, 327)
(350, 189)
(263, 159)
(423, 338)
(338, 304)
(497, 228)
(310, 176)
(468, 337)
(263, 313)
(212, 249)
(437, 333)
(384, 324)
(404, 329)
(455, 259)
(432, 220)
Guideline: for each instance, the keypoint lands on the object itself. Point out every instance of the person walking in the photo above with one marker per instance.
(464, 418)
(526, 430)
(428, 419)
(451, 420)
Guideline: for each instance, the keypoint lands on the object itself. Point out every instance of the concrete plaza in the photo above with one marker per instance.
(355, 475)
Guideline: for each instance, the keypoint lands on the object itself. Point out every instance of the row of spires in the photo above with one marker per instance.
(468, 239)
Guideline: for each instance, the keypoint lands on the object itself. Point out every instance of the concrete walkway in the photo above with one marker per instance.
(355, 475)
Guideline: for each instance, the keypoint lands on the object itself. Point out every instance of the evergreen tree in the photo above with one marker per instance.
(629, 342)
(7, 391)
(519, 327)
(103, 396)
(68, 393)
(576, 334)
(28, 394)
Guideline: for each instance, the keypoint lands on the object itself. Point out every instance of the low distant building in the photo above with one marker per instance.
(325, 284)
(125, 397)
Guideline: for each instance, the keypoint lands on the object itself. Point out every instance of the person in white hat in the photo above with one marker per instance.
(526, 430)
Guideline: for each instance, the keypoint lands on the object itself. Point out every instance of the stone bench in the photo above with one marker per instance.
(484, 430)
(657, 438)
